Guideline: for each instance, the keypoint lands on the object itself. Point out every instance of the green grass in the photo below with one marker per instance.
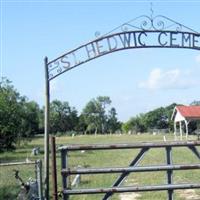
(114, 158)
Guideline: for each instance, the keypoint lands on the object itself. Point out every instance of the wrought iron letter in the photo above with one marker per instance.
(139, 38)
(112, 45)
(186, 39)
(195, 40)
(172, 39)
(159, 39)
(65, 62)
(99, 47)
(92, 50)
(125, 39)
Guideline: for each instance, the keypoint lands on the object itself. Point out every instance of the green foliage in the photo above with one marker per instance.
(195, 103)
(30, 118)
(11, 115)
(112, 122)
(18, 117)
(62, 117)
(135, 124)
(96, 118)
(159, 118)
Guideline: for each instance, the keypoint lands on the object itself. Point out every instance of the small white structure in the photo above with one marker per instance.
(184, 115)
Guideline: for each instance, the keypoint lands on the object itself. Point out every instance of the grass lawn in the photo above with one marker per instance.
(114, 158)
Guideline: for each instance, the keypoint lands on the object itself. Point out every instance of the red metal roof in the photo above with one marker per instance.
(189, 111)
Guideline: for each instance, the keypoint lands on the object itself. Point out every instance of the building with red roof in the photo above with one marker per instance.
(184, 115)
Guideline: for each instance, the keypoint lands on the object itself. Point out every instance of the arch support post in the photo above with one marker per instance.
(46, 131)
(181, 130)
(175, 137)
(186, 127)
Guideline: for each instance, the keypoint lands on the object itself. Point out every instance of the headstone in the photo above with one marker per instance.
(76, 180)
(35, 151)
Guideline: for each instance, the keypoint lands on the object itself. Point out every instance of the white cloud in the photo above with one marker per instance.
(171, 79)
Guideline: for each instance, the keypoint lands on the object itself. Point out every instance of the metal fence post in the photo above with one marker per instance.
(64, 178)
(39, 178)
(53, 166)
(46, 131)
(169, 172)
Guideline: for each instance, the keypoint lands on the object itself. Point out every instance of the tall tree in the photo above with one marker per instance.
(112, 123)
(95, 114)
(91, 117)
(102, 102)
(10, 112)
(30, 118)
(62, 117)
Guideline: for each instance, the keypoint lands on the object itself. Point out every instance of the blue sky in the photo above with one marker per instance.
(137, 80)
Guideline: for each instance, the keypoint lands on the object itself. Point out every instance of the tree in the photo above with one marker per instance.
(91, 116)
(30, 118)
(10, 115)
(62, 117)
(95, 115)
(81, 125)
(101, 103)
(135, 124)
(112, 122)
(159, 118)
(195, 103)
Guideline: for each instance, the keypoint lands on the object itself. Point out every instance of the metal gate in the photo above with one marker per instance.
(125, 171)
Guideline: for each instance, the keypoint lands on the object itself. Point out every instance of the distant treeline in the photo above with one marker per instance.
(21, 118)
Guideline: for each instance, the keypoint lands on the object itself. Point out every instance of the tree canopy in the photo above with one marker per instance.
(21, 118)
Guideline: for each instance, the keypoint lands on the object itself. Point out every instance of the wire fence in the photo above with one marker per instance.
(10, 185)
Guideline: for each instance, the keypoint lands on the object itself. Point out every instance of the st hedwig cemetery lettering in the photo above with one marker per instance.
(120, 41)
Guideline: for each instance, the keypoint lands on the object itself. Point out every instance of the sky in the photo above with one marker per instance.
(136, 80)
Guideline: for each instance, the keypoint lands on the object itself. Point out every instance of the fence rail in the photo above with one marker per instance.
(17, 163)
(129, 146)
(125, 171)
(66, 172)
(131, 189)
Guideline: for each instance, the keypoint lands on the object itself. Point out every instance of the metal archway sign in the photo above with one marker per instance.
(141, 32)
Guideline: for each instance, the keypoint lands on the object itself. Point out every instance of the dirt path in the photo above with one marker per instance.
(189, 194)
(130, 196)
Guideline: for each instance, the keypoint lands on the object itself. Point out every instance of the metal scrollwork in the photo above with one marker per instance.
(157, 23)
(59, 70)
(51, 75)
(125, 27)
(146, 23)
(132, 34)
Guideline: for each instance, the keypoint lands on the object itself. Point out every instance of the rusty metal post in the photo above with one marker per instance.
(54, 169)
(46, 131)
(169, 172)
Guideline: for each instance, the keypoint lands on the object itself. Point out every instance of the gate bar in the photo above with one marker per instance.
(66, 172)
(195, 151)
(54, 169)
(169, 172)
(121, 178)
(130, 146)
(131, 189)
(64, 164)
